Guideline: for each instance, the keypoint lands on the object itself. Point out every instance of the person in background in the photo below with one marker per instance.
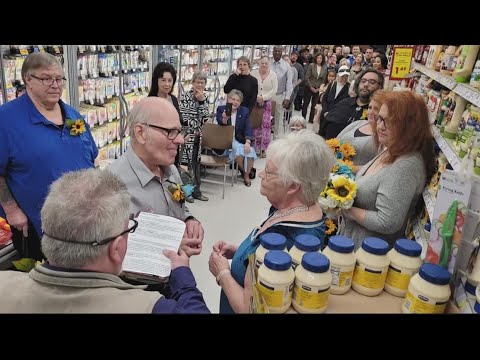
(359, 134)
(356, 67)
(331, 75)
(338, 53)
(242, 151)
(21, 89)
(148, 170)
(284, 90)
(389, 186)
(163, 80)
(300, 83)
(335, 92)
(41, 138)
(297, 123)
(332, 62)
(85, 220)
(296, 171)
(380, 63)
(267, 88)
(194, 113)
(295, 81)
(368, 57)
(351, 109)
(244, 82)
(314, 78)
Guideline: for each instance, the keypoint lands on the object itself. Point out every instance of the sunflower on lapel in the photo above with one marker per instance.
(180, 192)
(76, 127)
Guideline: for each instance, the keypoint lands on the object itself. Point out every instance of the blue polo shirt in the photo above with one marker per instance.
(34, 152)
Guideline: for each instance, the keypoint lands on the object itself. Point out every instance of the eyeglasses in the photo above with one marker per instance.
(131, 229)
(171, 133)
(49, 81)
(370, 81)
(380, 119)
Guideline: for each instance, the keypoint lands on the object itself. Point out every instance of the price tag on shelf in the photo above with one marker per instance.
(24, 51)
(452, 157)
(56, 49)
(8, 85)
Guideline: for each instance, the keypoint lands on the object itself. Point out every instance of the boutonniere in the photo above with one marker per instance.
(180, 192)
(76, 127)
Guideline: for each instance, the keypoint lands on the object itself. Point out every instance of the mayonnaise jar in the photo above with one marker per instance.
(371, 267)
(342, 263)
(275, 281)
(428, 291)
(312, 284)
(404, 263)
(268, 241)
(303, 244)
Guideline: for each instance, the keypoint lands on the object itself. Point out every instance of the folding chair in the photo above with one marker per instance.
(287, 114)
(256, 119)
(217, 137)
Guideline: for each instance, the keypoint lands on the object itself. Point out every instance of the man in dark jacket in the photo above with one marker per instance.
(351, 109)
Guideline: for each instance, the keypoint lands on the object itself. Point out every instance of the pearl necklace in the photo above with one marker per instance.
(294, 210)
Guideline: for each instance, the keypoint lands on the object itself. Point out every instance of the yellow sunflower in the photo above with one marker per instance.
(347, 150)
(343, 190)
(177, 195)
(78, 127)
(346, 162)
(334, 143)
(331, 227)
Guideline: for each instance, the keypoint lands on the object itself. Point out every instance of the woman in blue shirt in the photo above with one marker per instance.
(296, 171)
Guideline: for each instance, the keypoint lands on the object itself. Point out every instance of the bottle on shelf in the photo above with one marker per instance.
(465, 63)
(450, 130)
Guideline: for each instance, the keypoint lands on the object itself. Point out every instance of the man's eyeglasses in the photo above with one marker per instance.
(380, 119)
(370, 81)
(171, 133)
(49, 81)
(132, 226)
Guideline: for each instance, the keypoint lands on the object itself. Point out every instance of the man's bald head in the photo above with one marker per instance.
(153, 110)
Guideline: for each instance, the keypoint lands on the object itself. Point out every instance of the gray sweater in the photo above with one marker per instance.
(389, 197)
(364, 145)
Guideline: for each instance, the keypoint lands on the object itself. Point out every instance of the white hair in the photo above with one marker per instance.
(303, 158)
(83, 206)
(298, 119)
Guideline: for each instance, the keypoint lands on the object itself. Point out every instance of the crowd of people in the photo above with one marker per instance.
(76, 219)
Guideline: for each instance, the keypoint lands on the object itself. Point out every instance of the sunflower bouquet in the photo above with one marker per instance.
(341, 188)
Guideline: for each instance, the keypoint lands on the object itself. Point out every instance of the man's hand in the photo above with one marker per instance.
(193, 238)
(286, 104)
(225, 249)
(177, 260)
(16, 218)
(199, 95)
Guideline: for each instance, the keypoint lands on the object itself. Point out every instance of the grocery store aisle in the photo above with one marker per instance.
(230, 219)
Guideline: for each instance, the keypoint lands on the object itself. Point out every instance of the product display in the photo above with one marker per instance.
(275, 281)
(404, 263)
(303, 244)
(268, 241)
(312, 284)
(428, 291)
(371, 267)
(342, 263)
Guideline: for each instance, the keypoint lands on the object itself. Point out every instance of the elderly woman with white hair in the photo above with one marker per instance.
(297, 123)
(296, 171)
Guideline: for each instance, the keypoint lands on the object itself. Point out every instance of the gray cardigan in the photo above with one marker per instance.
(389, 197)
(364, 145)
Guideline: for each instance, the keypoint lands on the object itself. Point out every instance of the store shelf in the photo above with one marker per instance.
(469, 93)
(429, 202)
(445, 80)
(447, 148)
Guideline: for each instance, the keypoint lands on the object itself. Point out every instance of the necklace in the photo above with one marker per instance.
(294, 210)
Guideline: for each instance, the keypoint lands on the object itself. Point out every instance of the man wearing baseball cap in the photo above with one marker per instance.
(351, 108)
(335, 92)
